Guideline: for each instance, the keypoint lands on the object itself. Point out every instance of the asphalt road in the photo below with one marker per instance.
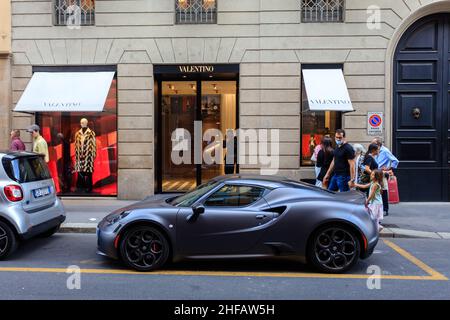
(410, 269)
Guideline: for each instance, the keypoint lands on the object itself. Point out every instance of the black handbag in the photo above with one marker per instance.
(364, 178)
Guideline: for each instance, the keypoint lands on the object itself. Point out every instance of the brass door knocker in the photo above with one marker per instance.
(416, 113)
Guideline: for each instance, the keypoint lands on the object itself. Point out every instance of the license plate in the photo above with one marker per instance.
(42, 192)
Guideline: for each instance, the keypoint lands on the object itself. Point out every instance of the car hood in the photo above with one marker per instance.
(155, 201)
(352, 196)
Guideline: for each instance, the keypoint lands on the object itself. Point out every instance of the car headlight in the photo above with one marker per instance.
(112, 219)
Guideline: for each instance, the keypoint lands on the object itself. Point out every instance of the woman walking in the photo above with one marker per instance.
(324, 159)
(360, 153)
(369, 164)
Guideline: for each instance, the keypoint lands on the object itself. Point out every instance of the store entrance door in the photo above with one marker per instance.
(421, 110)
(181, 106)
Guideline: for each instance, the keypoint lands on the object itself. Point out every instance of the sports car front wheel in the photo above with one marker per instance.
(144, 248)
(334, 249)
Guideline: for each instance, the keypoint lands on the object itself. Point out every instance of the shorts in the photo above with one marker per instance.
(376, 211)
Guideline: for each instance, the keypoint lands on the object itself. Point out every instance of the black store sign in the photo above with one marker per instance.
(203, 71)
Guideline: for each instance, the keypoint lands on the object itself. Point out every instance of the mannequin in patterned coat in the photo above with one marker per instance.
(85, 153)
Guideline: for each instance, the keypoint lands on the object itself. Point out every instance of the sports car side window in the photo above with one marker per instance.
(234, 196)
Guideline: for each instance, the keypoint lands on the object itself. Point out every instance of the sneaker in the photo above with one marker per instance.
(385, 213)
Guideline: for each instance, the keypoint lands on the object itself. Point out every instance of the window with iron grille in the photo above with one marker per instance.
(323, 10)
(196, 11)
(74, 12)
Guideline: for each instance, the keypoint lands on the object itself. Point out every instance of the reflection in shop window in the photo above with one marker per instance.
(83, 149)
(196, 11)
(315, 125)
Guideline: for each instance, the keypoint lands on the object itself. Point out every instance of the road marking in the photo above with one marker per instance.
(219, 274)
(433, 275)
(422, 265)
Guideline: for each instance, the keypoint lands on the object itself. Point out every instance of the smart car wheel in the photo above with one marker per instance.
(144, 248)
(334, 249)
(8, 241)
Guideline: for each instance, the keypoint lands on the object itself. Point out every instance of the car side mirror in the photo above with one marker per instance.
(196, 211)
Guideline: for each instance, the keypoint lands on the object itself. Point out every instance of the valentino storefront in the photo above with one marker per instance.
(76, 110)
(97, 139)
(186, 95)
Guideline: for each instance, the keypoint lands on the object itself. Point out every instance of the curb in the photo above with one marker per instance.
(78, 228)
(412, 234)
(385, 233)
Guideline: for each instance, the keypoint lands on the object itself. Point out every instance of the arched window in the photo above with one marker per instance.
(322, 10)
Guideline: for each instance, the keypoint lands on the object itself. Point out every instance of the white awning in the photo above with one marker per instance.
(326, 90)
(66, 92)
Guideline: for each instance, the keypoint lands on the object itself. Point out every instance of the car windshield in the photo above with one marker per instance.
(186, 200)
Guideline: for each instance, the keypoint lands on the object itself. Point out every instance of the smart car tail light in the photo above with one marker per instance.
(13, 193)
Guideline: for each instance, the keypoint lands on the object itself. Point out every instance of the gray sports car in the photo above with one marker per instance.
(242, 216)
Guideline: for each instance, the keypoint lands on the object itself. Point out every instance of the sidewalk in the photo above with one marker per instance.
(405, 220)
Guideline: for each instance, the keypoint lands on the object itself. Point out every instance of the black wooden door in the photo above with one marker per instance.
(421, 110)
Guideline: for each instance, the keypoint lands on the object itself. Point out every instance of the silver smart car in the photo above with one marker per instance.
(28, 202)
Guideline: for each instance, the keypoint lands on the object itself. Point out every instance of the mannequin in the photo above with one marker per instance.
(85, 153)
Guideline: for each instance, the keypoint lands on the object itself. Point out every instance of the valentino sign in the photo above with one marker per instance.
(195, 69)
(328, 101)
(61, 104)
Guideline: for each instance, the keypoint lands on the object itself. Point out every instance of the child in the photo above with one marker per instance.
(375, 200)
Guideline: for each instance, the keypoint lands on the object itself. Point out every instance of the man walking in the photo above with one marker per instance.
(386, 162)
(342, 168)
(39, 144)
(16, 143)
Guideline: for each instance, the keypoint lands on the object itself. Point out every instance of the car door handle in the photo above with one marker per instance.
(260, 216)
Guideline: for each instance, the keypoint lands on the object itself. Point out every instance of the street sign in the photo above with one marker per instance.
(375, 123)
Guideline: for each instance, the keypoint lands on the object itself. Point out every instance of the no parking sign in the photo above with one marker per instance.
(375, 123)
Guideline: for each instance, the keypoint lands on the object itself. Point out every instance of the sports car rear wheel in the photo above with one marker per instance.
(144, 248)
(334, 249)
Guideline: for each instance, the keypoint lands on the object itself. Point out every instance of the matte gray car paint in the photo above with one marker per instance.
(237, 232)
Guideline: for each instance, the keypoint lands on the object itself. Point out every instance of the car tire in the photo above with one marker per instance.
(8, 241)
(334, 249)
(50, 232)
(144, 248)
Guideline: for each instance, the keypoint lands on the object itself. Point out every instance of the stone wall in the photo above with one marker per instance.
(5, 100)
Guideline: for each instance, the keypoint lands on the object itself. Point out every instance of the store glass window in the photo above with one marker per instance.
(195, 11)
(74, 12)
(315, 125)
(322, 10)
(83, 149)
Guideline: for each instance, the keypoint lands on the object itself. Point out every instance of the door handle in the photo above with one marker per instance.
(260, 216)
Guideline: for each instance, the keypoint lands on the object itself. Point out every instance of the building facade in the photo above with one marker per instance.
(238, 64)
(5, 72)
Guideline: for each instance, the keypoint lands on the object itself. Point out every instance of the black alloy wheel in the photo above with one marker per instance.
(144, 248)
(8, 241)
(334, 249)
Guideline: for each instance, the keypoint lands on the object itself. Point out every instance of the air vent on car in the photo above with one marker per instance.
(280, 210)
